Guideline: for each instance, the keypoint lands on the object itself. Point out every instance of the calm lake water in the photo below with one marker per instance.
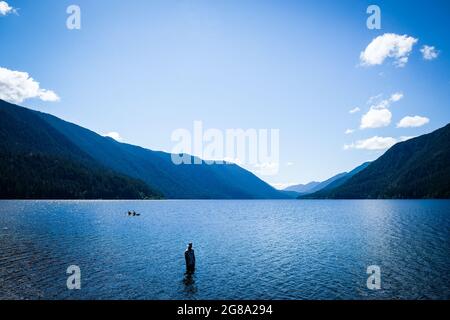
(245, 249)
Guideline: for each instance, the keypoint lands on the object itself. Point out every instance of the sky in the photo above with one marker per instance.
(338, 92)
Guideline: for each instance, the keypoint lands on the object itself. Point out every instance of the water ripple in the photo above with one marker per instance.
(245, 249)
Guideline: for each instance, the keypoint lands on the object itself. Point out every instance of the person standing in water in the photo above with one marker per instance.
(189, 256)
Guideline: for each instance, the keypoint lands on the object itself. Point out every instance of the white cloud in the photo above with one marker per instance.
(354, 110)
(289, 164)
(404, 138)
(396, 97)
(389, 45)
(115, 135)
(17, 86)
(349, 131)
(429, 52)
(374, 143)
(376, 118)
(415, 121)
(379, 114)
(5, 8)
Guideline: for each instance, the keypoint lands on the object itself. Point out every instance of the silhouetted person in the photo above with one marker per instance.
(189, 256)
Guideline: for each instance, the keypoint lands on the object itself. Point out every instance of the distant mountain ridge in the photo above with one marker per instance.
(344, 178)
(414, 169)
(332, 182)
(302, 188)
(154, 168)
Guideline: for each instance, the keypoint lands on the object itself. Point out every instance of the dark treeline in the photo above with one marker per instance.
(39, 176)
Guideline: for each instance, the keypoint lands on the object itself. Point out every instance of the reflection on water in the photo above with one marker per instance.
(313, 249)
(189, 284)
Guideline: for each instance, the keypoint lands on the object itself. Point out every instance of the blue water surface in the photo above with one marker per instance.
(245, 249)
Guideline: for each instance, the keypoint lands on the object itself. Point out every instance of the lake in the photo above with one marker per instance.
(245, 249)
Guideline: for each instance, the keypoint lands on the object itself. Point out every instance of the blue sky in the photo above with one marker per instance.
(145, 68)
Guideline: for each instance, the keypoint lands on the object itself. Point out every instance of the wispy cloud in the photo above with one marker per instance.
(115, 135)
(376, 143)
(404, 138)
(354, 110)
(396, 97)
(379, 115)
(412, 121)
(429, 52)
(17, 86)
(349, 131)
(6, 9)
(388, 45)
(375, 98)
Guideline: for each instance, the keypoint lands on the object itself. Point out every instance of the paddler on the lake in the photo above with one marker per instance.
(189, 256)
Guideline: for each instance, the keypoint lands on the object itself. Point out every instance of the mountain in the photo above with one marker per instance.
(302, 188)
(414, 169)
(156, 169)
(342, 178)
(37, 162)
(334, 181)
(327, 182)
